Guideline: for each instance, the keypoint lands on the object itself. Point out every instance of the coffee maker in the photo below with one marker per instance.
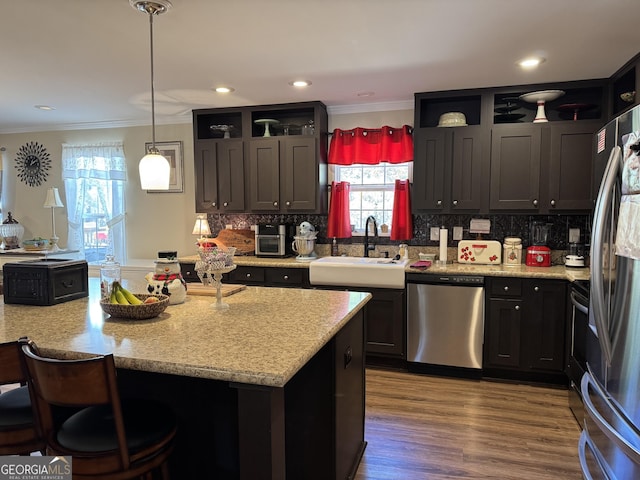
(539, 254)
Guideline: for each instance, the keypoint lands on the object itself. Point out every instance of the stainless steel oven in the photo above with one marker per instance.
(579, 335)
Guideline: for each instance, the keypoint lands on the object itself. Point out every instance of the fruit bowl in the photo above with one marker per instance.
(136, 312)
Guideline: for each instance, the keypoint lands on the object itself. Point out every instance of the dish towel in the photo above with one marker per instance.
(401, 221)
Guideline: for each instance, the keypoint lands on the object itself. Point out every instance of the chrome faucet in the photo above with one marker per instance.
(368, 247)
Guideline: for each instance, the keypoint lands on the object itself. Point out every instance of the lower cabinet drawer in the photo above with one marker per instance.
(246, 275)
(287, 277)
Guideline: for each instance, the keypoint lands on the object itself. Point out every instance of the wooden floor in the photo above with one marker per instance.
(420, 427)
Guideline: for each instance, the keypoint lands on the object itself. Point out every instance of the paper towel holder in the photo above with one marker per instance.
(442, 254)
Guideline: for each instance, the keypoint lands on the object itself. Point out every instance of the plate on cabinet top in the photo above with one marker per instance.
(542, 96)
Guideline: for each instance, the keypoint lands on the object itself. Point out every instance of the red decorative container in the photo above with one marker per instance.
(538, 256)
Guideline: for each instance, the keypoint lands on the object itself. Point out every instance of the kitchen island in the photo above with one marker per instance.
(271, 388)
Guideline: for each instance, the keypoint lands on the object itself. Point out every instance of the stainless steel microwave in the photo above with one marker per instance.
(274, 240)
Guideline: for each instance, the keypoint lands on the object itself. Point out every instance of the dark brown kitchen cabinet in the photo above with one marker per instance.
(266, 158)
(219, 175)
(448, 173)
(542, 168)
(515, 167)
(385, 324)
(255, 276)
(284, 175)
(570, 166)
(525, 328)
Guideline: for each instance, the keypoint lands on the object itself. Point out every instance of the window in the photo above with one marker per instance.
(94, 179)
(372, 190)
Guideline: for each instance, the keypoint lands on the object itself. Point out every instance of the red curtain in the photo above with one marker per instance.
(401, 221)
(339, 221)
(371, 146)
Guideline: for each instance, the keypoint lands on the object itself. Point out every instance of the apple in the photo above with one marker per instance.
(151, 300)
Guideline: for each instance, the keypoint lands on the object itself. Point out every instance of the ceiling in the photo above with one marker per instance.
(90, 60)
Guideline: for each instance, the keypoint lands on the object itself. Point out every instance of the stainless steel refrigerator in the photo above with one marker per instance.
(609, 445)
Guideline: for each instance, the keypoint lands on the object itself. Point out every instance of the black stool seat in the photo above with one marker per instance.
(18, 430)
(15, 408)
(93, 430)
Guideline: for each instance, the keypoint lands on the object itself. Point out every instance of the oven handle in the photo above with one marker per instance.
(576, 303)
(629, 450)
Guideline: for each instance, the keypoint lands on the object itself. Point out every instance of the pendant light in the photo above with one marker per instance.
(154, 168)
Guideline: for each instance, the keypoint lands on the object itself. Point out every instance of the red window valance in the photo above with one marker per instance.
(371, 146)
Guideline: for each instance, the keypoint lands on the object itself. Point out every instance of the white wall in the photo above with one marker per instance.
(154, 221)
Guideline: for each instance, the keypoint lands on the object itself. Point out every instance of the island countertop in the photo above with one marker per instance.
(264, 338)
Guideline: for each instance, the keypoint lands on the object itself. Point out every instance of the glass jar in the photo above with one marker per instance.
(512, 251)
(109, 273)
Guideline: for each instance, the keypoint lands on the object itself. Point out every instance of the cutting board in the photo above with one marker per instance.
(226, 290)
(480, 252)
(243, 240)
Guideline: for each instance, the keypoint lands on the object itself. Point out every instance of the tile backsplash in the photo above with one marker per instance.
(501, 226)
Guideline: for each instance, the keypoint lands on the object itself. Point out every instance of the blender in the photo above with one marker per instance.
(539, 254)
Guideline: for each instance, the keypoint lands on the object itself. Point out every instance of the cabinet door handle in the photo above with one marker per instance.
(248, 275)
(275, 204)
(213, 204)
(288, 204)
(506, 289)
(226, 204)
(517, 307)
(535, 203)
(455, 202)
(536, 289)
(553, 203)
(286, 277)
(439, 202)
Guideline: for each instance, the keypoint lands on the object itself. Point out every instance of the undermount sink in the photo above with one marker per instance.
(358, 272)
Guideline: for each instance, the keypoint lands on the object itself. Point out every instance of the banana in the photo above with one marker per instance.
(121, 298)
(131, 298)
(112, 298)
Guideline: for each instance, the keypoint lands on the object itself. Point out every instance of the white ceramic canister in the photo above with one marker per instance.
(512, 251)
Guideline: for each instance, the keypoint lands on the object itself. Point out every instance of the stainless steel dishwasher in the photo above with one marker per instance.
(445, 323)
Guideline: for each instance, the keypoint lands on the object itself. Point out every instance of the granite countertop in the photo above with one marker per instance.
(559, 272)
(264, 338)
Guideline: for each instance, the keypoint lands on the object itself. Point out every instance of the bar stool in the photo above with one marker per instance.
(18, 435)
(108, 439)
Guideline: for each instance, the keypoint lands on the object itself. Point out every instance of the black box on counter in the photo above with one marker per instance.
(45, 281)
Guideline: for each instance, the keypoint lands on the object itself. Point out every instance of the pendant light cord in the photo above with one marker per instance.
(153, 102)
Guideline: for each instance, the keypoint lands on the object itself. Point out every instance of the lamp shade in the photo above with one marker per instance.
(201, 226)
(155, 172)
(53, 199)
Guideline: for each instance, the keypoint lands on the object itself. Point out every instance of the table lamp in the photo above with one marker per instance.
(53, 201)
(201, 228)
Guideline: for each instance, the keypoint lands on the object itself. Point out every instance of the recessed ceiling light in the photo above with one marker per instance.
(530, 62)
(224, 89)
(365, 94)
(43, 107)
(300, 83)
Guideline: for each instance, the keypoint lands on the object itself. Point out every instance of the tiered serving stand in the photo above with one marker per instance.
(213, 263)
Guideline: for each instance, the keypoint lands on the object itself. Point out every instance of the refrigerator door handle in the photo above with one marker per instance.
(583, 444)
(603, 203)
(629, 449)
